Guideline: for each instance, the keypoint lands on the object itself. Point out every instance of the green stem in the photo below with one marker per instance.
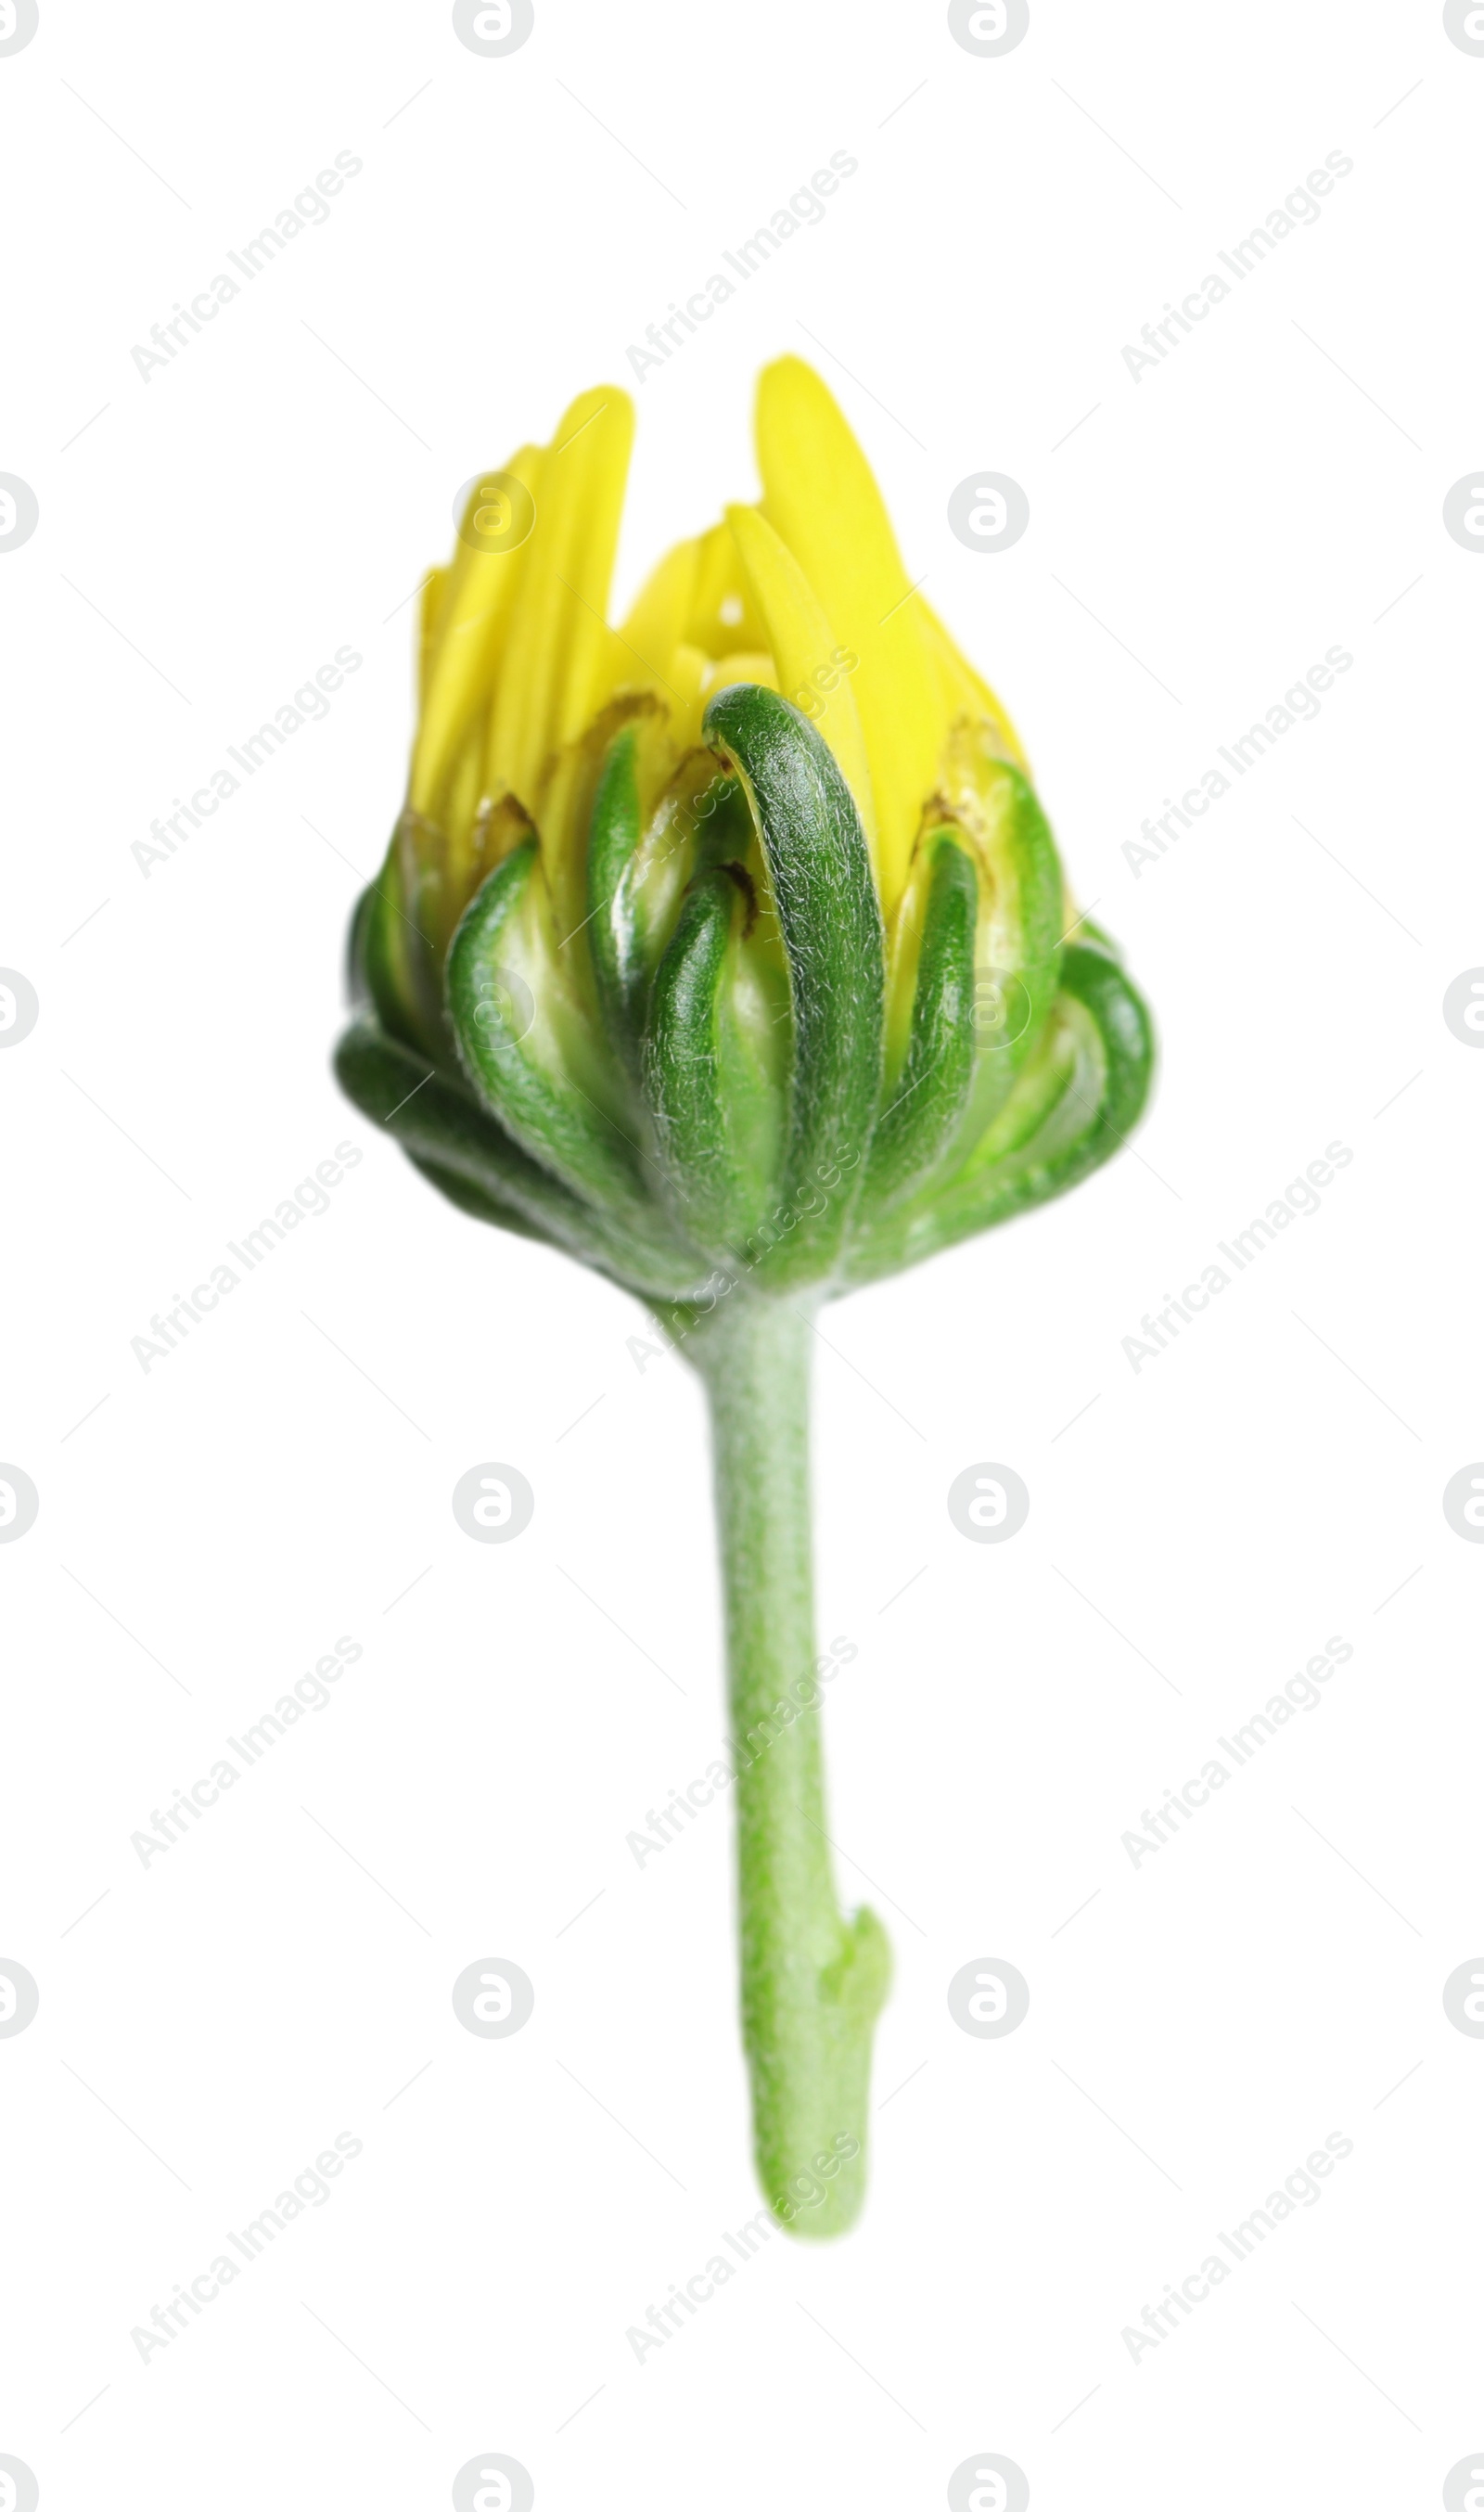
(812, 1980)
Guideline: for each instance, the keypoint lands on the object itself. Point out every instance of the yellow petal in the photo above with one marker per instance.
(810, 658)
(558, 627)
(435, 585)
(463, 641)
(963, 691)
(758, 667)
(694, 680)
(641, 655)
(821, 498)
(722, 620)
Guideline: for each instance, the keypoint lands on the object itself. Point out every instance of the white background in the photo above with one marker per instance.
(207, 539)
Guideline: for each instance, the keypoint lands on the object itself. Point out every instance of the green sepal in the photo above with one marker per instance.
(394, 966)
(614, 936)
(683, 1070)
(1080, 1092)
(535, 1097)
(829, 919)
(928, 1097)
(1018, 946)
(456, 1142)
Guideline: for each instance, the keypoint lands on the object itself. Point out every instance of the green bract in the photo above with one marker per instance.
(711, 1084)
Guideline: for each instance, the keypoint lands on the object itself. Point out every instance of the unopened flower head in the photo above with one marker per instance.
(738, 926)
